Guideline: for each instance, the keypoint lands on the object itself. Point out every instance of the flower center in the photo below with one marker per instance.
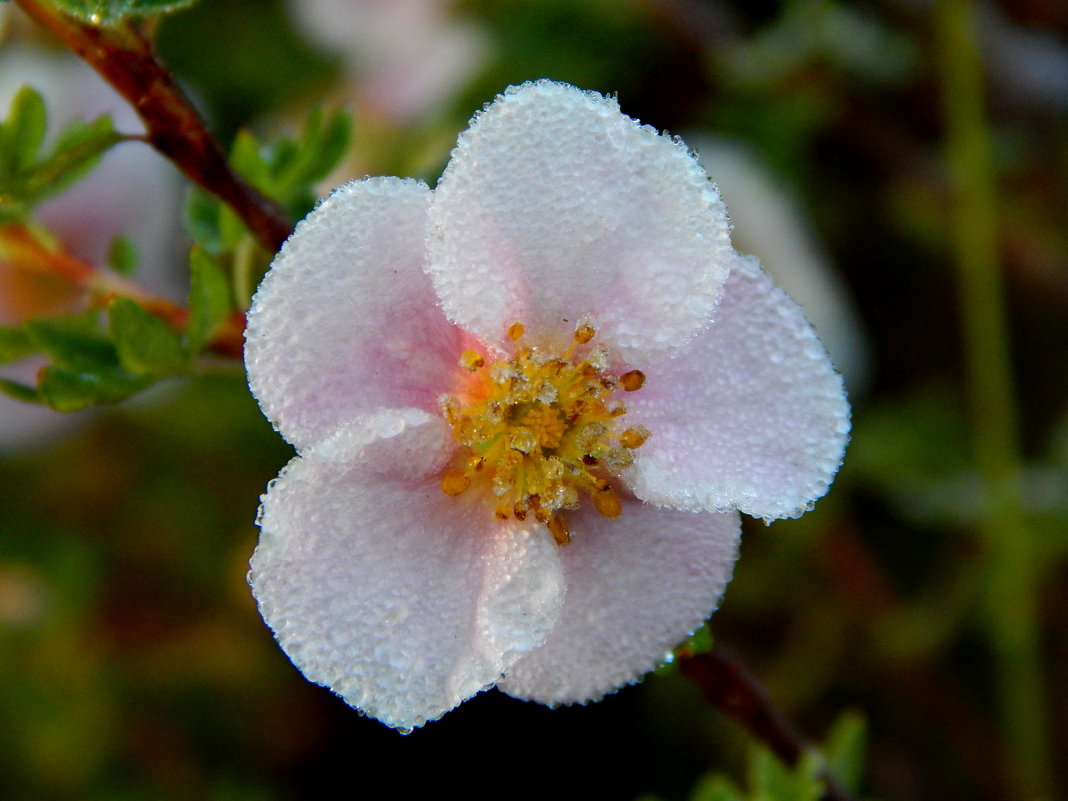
(542, 429)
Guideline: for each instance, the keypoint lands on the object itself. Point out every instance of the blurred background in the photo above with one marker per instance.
(925, 592)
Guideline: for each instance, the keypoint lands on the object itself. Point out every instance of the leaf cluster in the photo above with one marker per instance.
(91, 364)
(98, 359)
(29, 172)
(286, 171)
(771, 780)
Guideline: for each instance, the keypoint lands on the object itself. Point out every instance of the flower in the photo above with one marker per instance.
(528, 407)
(403, 58)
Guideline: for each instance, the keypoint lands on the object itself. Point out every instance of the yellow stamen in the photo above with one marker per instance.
(538, 432)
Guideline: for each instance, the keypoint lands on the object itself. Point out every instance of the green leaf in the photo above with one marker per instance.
(15, 344)
(122, 257)
(202, 220)
(77, 150)
(246, 159)
(231, 230)
(845, 750)
(716, 788)
(74, 343)
(209, 300)
(111, 11)
(771, 780)
(145, 344)
(25, 129)
(68, 390)
(26, 175)
(18, 391)
(700, 641)
(320, 148)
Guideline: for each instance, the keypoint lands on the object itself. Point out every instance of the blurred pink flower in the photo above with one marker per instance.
(528, 406)
(405, 57)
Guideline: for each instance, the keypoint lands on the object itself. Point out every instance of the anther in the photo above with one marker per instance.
(634, 437)
(515, 330)
(632, 380)
(558, 528)
(584, 333)
(455, 481)
(471, 360)
(606, 502)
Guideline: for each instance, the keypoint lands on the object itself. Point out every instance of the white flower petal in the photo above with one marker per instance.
(346, 319)
(399, 598)
(637, 586)
(555, 207)
(750, 415)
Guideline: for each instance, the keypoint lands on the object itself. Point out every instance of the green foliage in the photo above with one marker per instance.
(29, 174)
(85, 369)
(15, 344)
(92, 365)
(145, 344)
(122, 257)
(112, 11)
(209, 300)
(771, 780)
(285, 171)
(846, 746)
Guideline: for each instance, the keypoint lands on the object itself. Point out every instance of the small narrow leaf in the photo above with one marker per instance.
(145, 344)
(771, 780)
(248, 162)
(18, 391)
(15, 344)
(231, 230)
(68, 390)
(321, 147)
(73, 343)
(25, 127)
(77, 151)
(716, 788)
(846, 746)
(202, 220)
(122, 257)
(209, 300)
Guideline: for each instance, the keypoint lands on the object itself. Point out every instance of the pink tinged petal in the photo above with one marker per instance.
(556, 206)
(346, 320)
(637, 586)
(750, 415)
(400, 599)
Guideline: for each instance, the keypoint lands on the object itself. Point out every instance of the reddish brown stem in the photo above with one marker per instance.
(123, 54)
(728, 685)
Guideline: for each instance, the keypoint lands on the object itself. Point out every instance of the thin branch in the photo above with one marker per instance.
(123, 54)
(728, 685)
